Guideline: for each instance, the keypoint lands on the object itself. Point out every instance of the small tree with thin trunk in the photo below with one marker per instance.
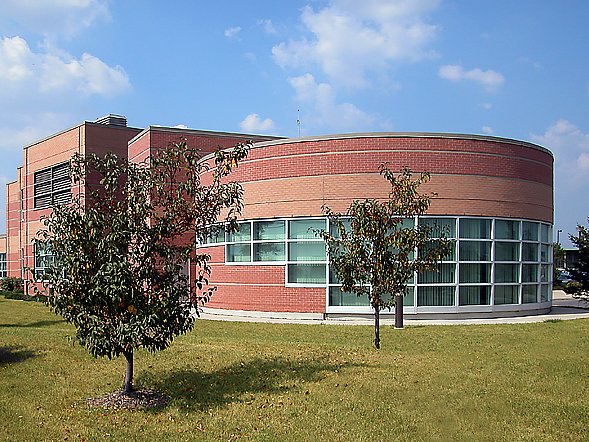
(122, 249)
(579, 270)
(374, 251)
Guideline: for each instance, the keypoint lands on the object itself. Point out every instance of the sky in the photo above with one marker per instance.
(509, 68)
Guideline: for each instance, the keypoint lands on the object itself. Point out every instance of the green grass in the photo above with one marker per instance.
(273, 382)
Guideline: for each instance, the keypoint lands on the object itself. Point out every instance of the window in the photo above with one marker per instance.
(44, 259)
(2, 265)
(507, 273)
(437, 226)
(435, 296)
(52, 186)
(475, 228)
(475, 251)
(506, 294)
(505, 229)
(475, 295)
(506, 251)
(492, 262)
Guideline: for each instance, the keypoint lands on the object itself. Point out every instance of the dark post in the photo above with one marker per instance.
(398, 311)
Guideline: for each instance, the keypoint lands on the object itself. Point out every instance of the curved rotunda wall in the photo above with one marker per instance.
(477, 179)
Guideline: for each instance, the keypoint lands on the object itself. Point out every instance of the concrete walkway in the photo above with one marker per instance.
(564, 307)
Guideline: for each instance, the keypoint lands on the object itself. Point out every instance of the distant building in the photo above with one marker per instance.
(494, 195)
(3, 272)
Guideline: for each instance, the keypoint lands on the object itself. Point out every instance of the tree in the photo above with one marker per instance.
(580, 269)
(558, 256)
(373, 248)
(120, 251)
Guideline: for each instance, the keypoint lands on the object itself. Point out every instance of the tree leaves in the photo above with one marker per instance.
(376, 248)
(121, 245)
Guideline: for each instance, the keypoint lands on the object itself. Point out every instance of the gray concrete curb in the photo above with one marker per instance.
(564, 308)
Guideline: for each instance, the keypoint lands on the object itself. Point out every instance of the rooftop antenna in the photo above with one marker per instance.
(299, 121)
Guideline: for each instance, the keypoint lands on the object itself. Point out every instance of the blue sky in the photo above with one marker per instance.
(509, 68)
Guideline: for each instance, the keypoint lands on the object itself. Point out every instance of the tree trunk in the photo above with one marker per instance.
(129, 371)
(376, 327)
(398, 311)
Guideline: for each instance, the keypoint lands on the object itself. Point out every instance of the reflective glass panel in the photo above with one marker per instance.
(239, 253)
(530, 272)
(475, 273)
(244, 233)
(506, 272)
(545, 233)
(445, 274)
(505, 229)
(269, 230)
(529, 231)
(475, 228)
(269, 251)
(334, 227)
(545, 254)
(303, 228)
(475, 295)
(529, 294)
(307, 251)
(506, 294)
(545, 272)
(306, 273)
(475, 251)
(440, 226)
(435, 296)
(432, 245)
(529, 251)
(337, 297)
(545, 293)
(506, 251)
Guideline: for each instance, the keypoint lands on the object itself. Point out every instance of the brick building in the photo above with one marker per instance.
(494, 195)
(43, 178)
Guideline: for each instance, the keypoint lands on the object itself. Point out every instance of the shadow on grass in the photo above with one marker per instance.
(11, 355)
(201, 390)
(34, 324)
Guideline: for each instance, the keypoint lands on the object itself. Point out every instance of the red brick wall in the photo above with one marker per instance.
(84, 138)
(472, 177)
(477, 177)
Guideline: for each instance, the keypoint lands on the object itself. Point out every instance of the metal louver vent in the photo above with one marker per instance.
(112, 120)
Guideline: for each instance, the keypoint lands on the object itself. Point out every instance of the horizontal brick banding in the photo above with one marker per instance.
(472, 176)
(478, 176)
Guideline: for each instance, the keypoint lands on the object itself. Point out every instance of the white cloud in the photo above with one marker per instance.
(490, 79)
(254, 124)
(21, 128)
(486, 105)
(232, 32)
(487, 130)
(324, 110)
(50, 73)
(527, 60)
(570, 147)
(566, 141)
(55, 17)
(269, 27)
(348, 39)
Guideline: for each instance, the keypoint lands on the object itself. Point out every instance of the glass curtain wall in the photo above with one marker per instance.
(492, 261)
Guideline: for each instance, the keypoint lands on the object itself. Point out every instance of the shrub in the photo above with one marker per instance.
(18, 294)
(11, 283)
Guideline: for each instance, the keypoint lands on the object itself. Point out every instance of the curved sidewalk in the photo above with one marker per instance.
(564, 308)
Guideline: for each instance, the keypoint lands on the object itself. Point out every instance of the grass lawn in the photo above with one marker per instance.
(273, 382)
